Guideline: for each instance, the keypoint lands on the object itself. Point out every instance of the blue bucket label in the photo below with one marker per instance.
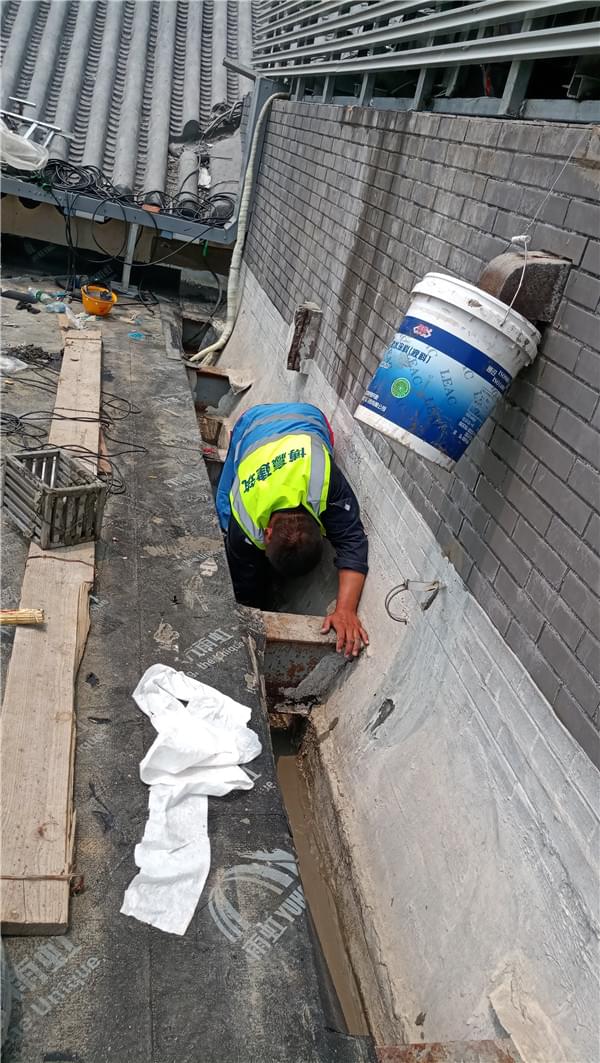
(436, 386)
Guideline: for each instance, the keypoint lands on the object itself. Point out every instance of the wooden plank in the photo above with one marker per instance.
(296, 627)
(38, 714)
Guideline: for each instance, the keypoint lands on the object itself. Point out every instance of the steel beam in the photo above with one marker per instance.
(466, 16)
(92, 206)
(581, 39)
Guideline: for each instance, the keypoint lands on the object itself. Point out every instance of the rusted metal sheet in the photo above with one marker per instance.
(307, 322)
(294, 647)
(450, 1052)
(534, 287)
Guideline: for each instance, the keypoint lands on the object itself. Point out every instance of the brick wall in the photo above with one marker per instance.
(353, 206)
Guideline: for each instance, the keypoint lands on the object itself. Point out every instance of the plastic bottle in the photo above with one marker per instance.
(55, 306)
(41, 297)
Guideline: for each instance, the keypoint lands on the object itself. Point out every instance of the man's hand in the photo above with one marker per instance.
(349, 630)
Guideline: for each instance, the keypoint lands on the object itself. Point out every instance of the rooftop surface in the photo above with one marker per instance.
(114, 988)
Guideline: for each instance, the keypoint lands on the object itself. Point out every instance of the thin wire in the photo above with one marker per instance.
(524, 239)
(585, 133)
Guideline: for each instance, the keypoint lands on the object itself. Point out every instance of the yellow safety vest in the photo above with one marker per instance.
(289, 471)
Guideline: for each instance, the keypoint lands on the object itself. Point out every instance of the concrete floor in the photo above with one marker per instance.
(112, 988)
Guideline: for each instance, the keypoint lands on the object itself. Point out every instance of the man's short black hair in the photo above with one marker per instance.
(296, 544)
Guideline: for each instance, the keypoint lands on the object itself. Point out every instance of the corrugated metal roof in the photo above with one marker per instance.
(124, 76)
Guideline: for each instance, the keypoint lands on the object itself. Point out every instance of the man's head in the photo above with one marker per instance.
(293, 542)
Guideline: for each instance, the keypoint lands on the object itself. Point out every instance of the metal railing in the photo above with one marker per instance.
(336, 50)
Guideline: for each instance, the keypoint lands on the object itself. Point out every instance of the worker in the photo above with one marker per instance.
(280, 492)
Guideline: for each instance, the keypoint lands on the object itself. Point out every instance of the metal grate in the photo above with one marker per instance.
(372, 50)
(52, 498)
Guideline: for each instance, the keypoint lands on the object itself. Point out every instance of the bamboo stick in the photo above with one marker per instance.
(21, 616)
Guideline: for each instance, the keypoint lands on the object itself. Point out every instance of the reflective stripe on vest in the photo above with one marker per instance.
(282, 473)
(270, 418)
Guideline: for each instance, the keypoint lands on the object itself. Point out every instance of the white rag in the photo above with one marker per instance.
(202, 739)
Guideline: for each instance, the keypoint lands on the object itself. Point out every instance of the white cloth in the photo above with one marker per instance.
(20, 153)
(196, 754)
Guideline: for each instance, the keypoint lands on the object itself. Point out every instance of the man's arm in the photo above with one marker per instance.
(344, 528)
(344, 619)
(248, 568)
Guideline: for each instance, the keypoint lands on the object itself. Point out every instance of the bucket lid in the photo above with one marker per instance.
(486, 307)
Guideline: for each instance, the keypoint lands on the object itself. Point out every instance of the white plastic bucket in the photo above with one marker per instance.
(455, 353)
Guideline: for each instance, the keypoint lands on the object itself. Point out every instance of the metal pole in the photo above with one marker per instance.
(129, 252)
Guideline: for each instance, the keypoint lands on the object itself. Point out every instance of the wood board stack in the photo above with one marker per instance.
(37, 741)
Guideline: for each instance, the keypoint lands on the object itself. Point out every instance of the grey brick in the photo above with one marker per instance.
(455, 553)
(560, 349)
(583, 599)
(584, 289)
(497, 505)
(572, 550)
(580, 324)
(527, 503)
(468, 505)
(480, 215)
(489, 161)
(483, 557)
(588, 368)
(577, 434)
(560, 242)
(583, 217)
(489, 600)
(573, 509)
(510, 417)
(591, 258)
(533, 170)
(467, 471)
(519, 603)
(482, 131)
(462, 155)
(556, 140)
(519, 136)
(592, 533)
(453, 127)
(514, 454)
(586, 481)
(534, 661)
(588, 653)
(494, 469)
(537, 550)
(509, 554)
(535, 402)
(536, 202)
(576, 678)
(472, 185)
(549, 450)
(502, 194)
(450, 514)
(508, 224)
(578, 724)
(551, 605)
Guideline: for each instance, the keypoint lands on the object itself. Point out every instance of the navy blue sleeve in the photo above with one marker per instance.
(248, 566)
(343, 526)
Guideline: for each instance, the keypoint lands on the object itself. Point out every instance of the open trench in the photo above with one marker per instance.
(297, 665)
